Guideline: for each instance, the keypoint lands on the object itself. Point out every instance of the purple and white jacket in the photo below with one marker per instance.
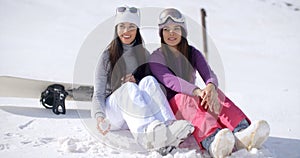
(175, 84)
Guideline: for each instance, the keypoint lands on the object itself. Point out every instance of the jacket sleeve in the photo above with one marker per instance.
(142, 70)
(203, 68)
(100, 82)
(163, 74)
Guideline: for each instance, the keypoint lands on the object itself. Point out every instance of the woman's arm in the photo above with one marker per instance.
(209, 94)
(206, 73)
(100, 84)
(99, 96)
(166, 77)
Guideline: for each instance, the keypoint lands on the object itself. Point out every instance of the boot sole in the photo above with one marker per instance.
(224, 143)
(256, 138)
(157, 136)
(260, 135)
(181, 135)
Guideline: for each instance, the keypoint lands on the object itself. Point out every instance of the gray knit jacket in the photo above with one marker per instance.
(102, 85)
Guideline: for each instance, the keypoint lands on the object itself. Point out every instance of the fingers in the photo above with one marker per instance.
(218, 108)
(217, 103)
(202, 94)
(103, 132)
(101, 121)
(132, 79)
(203, 104)
(128, 78)
(204, 98)
(100, 130)
(210, 101)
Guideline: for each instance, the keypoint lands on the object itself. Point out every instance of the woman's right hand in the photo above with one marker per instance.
(103, 125)
(209, 98)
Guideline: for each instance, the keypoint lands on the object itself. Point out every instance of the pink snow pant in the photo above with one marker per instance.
(206, 123)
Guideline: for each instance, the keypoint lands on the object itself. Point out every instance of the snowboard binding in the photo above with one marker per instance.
(54, 98)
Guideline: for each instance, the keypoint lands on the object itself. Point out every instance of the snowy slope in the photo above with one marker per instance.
(257, 42)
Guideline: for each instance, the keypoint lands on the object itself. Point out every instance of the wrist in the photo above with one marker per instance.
(197, 91)
(211, 85)
(100, 114)
(100, 118)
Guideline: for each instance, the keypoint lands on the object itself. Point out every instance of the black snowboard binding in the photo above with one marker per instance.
(166, 150)
(54, 98)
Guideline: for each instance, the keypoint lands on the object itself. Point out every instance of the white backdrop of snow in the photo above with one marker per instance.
(257, 42)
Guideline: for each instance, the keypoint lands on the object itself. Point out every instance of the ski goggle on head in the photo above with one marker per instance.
(171, 13)
(130, 9)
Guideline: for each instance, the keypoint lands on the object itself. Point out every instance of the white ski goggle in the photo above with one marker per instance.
(171, 13)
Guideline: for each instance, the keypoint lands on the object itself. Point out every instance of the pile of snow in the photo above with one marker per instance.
(30, 129)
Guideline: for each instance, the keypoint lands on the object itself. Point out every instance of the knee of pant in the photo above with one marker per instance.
(181, 96)
(148, 79)
(129, 86)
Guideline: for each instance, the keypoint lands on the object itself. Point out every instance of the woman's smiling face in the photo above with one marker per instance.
(127, 32)
(172, 35)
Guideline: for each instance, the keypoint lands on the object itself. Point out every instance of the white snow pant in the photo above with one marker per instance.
(138, 105)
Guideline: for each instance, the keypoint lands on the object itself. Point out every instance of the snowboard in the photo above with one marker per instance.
(19, 87)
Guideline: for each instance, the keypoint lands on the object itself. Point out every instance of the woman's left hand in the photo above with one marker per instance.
(128, 78)
(210, 100)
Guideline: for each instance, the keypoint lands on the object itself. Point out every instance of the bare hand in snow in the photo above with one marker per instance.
(103, 125)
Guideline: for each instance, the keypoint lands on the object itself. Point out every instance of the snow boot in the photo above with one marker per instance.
(253, 136)
(155, 135)
(222, 144)
(178, 131)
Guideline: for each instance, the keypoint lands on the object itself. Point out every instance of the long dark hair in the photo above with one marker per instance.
(185, 69)
(117, 62)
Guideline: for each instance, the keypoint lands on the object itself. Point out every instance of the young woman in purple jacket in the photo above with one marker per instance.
(220, 126)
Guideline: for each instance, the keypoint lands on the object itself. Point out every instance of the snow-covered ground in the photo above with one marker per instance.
(255, 50)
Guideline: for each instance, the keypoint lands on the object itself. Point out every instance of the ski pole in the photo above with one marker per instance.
(203, 22)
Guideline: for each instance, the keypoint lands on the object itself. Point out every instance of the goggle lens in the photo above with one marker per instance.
(123, 9)
(170, 13)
